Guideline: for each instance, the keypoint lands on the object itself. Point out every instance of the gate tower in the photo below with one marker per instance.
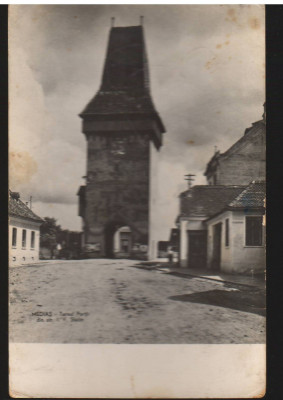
(124, 135)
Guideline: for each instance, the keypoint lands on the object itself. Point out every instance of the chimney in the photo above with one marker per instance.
(15, 195)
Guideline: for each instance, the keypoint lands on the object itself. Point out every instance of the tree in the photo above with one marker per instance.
(49, 231)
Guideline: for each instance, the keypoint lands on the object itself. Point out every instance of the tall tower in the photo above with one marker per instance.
(124, 134)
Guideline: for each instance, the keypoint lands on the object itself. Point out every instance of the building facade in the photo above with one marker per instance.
(24, 232)
(124, 135)
(236, 236)
(221, 223)
(197, 205)
(242, 162)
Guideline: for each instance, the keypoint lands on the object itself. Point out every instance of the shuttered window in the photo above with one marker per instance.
(254, 231)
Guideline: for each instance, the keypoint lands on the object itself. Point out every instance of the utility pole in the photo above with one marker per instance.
(190, 179)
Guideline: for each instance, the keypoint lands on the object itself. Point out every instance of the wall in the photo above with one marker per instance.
(153, 205)
(118, 184)
(189, 223)
(19, 255)
(245, 163)
(237, 258)
(226, 251)
(245, 258)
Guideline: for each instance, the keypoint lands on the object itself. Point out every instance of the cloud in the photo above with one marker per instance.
(207, 82)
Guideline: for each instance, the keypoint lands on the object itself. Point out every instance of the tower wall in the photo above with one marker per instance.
(123, 132)
(153, 203)
(117, 191)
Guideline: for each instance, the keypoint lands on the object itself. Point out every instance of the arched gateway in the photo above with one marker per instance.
(124, 134)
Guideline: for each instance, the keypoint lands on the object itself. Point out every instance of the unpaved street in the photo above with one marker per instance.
(112, 301)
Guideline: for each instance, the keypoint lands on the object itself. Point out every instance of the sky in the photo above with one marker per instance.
(207, 75)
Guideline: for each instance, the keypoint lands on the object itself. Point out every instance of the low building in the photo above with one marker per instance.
(197, 204)
(236, 235)
(221, 228)
(24, 232)
(220, 223)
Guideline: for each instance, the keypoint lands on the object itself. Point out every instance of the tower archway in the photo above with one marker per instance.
(118, 240)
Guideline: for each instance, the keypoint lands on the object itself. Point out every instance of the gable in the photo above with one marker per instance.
(253, 141)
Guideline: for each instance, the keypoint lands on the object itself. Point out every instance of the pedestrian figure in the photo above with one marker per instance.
(170, 255)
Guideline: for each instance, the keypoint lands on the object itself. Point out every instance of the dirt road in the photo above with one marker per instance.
(112, 301)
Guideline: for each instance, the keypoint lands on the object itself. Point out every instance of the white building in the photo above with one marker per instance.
(24, 232)
(221, 228)
(236, 236)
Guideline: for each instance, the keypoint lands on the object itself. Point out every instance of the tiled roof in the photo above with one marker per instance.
(126, 61)
(207, 200)
(125, 82)
(251, 197)
(18, 208)
(120, 102)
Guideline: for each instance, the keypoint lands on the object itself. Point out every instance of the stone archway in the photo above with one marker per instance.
(123, 242)
(109, 232)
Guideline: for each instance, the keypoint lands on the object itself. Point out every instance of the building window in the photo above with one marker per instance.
(32, 239)
(24, 238)
(253, 231)
(14, 237)
(227, 232)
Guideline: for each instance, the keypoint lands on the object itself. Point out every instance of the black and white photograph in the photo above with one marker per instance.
(137, 141)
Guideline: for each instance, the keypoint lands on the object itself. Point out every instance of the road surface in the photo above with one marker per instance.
(115, 301)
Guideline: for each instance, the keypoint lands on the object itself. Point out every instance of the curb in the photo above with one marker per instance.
(210, 279)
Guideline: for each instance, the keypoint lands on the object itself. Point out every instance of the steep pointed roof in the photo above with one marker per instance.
(125, 83)
(126, 61)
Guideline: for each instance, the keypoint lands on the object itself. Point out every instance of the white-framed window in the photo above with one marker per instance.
(14, 237)
(24, 238)
(254, 232)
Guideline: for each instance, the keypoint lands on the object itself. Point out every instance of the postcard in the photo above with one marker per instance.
(136, 201)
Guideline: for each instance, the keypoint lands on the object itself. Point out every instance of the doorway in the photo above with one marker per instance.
(216, 254)
(117, 240)
(197, 249)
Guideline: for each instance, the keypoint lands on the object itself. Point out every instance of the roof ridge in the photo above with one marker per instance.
(19, 209)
